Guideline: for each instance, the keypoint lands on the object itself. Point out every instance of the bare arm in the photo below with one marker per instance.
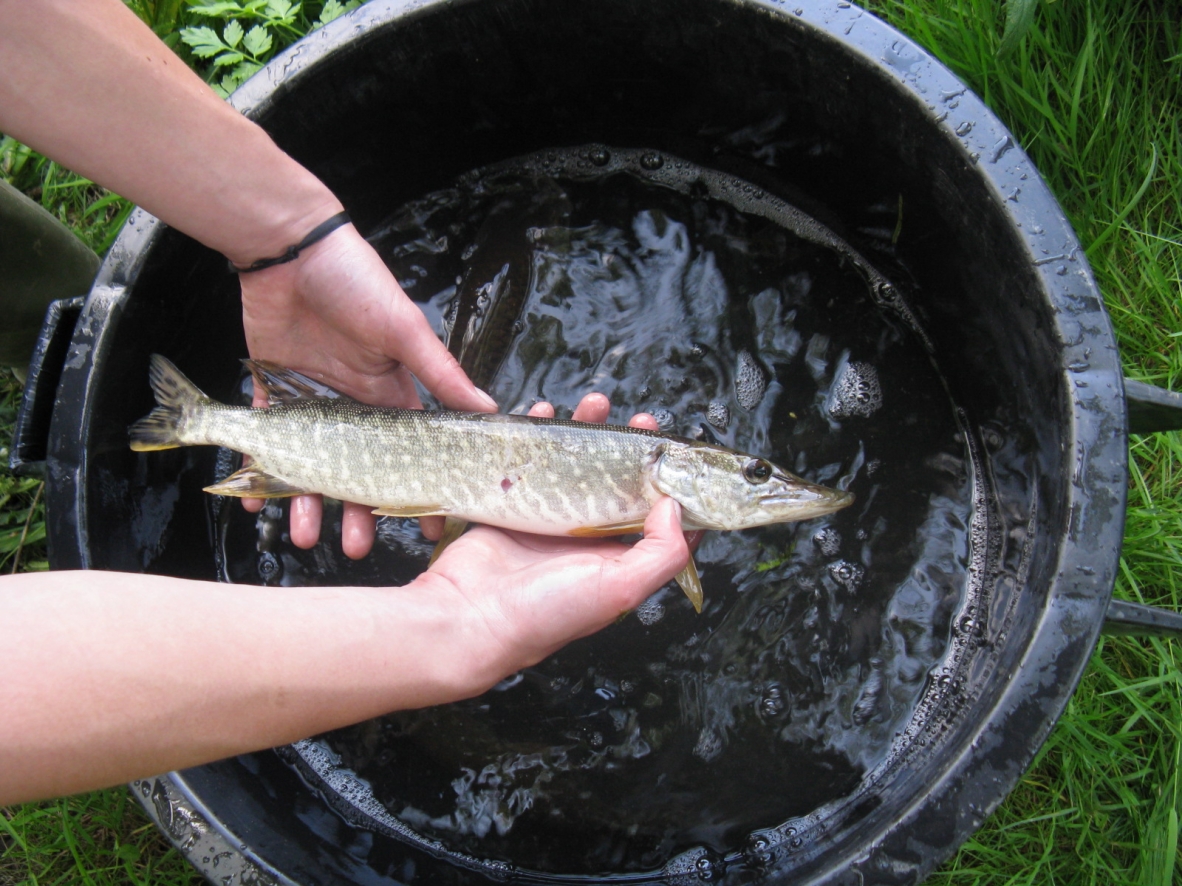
(92, 87)
(89, 85)
(111, 677)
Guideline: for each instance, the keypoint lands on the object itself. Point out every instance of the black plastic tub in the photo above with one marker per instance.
(818, 103)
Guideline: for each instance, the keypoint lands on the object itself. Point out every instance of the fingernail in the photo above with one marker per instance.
(487, 398)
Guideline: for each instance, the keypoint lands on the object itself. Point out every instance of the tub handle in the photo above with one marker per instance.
(30, 439)
(1150, 409)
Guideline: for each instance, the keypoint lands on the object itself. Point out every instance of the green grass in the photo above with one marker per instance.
(1092, 92)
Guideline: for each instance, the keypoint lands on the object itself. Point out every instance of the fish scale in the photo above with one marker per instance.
(565, 474)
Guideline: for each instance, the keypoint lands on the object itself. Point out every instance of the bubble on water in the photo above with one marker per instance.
(270, 568)
(695, 865)
(829, 541)
(718, 414)
(856, 391)
(847, 574)
(665, 419)
(650, 611)
(867, 703)
(750, 381)
(772, 702)
(600, 156)
(709, 744)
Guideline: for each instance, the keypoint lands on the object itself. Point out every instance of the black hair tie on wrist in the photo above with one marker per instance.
(317, 234)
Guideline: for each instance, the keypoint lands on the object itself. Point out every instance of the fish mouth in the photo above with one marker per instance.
(807, 500)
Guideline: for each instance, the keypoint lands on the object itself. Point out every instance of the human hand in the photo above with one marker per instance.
(338, 315)
(528, 595)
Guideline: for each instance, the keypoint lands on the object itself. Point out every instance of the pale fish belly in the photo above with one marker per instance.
(550, 481)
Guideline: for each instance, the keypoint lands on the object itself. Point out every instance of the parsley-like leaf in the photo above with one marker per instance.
(203, 40)
(232, 33)
(258, 41)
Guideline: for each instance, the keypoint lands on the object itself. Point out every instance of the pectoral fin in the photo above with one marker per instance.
(411, 511)
(692, 584)
(607, 529)
(250, 482)
(453, 528)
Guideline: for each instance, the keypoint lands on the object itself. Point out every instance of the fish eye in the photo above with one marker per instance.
(757, 471)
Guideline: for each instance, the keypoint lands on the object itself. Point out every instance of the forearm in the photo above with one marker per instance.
(90, 86)
(111, 677)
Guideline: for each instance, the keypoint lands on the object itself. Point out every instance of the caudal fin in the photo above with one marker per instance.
(161, 428)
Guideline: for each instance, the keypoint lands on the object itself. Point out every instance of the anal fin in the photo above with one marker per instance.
(453, 528)
(250, 482)
(607, 529)
(691, 583)
(411, 511)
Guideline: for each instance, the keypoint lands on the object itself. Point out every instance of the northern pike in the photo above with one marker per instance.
(546, 476)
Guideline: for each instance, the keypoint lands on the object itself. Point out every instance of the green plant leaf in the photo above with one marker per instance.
(334, 9)
(217, 10)
(228, 58)
(282, 9)
(232, 34)
(203, 41)
(1019, 18)
(258, 41)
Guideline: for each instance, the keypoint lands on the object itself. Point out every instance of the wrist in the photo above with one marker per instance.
(281, 223)
(293, 252)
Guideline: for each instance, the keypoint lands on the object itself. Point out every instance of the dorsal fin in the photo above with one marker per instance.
(284, 385)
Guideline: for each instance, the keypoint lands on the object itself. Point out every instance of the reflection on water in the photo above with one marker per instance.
(732, 317)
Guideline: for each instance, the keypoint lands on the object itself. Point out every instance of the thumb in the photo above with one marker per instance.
(652, 561)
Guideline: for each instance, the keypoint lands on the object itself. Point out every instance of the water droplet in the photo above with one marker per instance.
(652, 161)
(964, 128)
(599, 156)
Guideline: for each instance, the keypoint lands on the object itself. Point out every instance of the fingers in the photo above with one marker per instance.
(593, 408)
(425, 356)
(306, 511)
(431, 527)
(358, 527)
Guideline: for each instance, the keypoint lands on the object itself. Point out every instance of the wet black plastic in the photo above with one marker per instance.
(1151, 408)
(815, 100)
(30, 437)
(1126, 618)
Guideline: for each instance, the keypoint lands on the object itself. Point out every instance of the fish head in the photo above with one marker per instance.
(719, 488)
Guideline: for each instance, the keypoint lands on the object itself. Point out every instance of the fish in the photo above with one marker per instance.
(546, 476)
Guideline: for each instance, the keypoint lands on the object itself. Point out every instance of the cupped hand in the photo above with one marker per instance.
(338, 315)
(528, 595)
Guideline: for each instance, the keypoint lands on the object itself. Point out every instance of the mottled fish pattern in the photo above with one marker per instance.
(539, 475)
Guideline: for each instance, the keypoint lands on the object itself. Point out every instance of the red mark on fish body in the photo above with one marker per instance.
(506, 485)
